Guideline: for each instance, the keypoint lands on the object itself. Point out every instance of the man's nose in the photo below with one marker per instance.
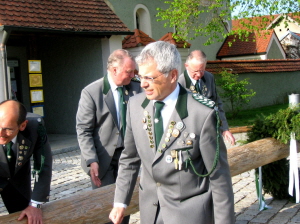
(144, 83)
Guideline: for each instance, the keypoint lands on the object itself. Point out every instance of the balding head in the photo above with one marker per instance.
(12, 120)
(195, 64)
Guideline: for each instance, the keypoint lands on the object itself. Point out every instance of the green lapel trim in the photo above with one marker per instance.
(145, 103)
(106, 86)
(188, 81)
(181, 105)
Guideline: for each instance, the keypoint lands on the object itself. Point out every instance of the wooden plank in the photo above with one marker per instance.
(94, 206)
(256, 154)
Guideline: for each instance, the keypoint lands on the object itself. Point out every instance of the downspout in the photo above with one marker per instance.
(4, 77)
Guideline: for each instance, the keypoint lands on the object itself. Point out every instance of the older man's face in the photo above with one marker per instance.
(160, 86)
(195, 69)
(122, 74)
(9, 127)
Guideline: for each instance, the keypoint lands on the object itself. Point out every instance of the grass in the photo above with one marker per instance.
(247, 117)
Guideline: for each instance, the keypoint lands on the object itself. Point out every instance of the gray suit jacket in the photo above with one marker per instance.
(183, 196)
(97, 123)
(29, 144)
(210, 93)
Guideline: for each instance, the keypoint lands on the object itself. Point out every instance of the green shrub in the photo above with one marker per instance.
(275, 176)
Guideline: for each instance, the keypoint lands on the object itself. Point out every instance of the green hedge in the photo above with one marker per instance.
(275, 176)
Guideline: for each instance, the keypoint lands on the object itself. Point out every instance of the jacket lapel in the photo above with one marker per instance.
(109, 99)
(148, 123)
(3, 162)
(22, 150)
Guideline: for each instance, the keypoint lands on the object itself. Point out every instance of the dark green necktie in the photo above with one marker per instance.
(158, 122)
(198, 87)
(8, 151)
(122, 111)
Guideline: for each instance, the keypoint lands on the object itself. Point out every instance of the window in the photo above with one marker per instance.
(142, 19)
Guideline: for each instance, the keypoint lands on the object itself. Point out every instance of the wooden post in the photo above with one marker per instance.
(94, 206)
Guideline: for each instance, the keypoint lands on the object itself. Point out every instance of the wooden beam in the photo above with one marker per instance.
(94, 206)
(255, 154)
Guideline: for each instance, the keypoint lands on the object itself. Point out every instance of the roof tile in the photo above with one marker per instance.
(254, 66)
(139, 38)
(67, 15)
(179, 44)
(257, 43)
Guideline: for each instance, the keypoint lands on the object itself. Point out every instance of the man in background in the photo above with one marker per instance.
(23, 135)
(101, 119)
(197, 80)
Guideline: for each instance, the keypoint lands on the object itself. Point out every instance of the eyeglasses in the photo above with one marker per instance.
(147, 78)
(7, 131)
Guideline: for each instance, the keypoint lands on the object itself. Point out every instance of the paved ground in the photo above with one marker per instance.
(68, 179)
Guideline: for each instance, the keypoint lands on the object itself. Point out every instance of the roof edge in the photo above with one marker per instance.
(95, 33)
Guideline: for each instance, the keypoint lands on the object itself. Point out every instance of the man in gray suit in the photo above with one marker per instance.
(175, 138)
(99, 118)
(197, 80)
(22, 137)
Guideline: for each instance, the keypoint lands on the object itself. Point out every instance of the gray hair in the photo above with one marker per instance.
(197, 54)
(164, 54)
(118, 56)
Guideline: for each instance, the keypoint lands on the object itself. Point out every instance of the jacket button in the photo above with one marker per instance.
(158, 184)
(155, 204)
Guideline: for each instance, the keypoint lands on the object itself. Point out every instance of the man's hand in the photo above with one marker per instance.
(229, 137)
(34, 215)
(117, 214)
(94, 173)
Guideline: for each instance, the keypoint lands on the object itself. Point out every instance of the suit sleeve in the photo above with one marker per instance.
(41, 190)
(217, 99)
(129, 165)
(220, 179)
(85, 124)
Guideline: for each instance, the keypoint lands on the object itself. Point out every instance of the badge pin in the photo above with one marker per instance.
(163, 145)
(144, 120)
(192, 88)
(168, 135)
(20, 158)
(145, 127)
(126, 92)
(192, 135)
(173, 153)
(19, 164)
(173, 122)
(23, 142)
(189, 142)
(179, 125)
(185, 134)
(175, 133)
(169, 159)
(151, 146)
(180, 142)
(145, 113)
(167, 139)
(21, 147)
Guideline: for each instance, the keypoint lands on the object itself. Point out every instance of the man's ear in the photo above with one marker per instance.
(174, 75)
(23, 125)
